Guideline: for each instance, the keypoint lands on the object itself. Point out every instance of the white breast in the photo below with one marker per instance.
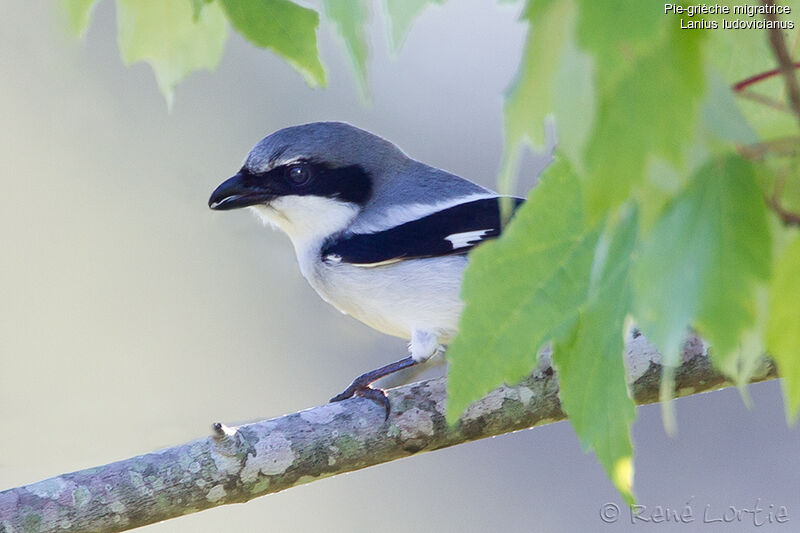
(398, 298)
(395, 298)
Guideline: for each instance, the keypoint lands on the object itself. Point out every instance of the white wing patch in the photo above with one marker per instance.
(467, 238)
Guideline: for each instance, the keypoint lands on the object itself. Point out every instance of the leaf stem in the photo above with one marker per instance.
(782, 146)
(765, 100)
(789, 218)
(773, 201)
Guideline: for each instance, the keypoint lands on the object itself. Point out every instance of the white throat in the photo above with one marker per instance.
(308, 221)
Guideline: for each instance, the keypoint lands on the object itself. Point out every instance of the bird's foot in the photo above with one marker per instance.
(365, 391)
(361, 385)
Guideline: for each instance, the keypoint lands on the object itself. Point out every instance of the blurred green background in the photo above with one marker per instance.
(132, 316)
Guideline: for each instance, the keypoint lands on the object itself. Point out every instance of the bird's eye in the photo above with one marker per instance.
(298, 174)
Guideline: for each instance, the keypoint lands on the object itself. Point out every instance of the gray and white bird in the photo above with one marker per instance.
(378, 235)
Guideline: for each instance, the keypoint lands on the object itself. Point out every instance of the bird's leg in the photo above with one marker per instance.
(361, 385)
(423, 346)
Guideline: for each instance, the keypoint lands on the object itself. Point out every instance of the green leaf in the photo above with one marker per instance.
(573, 101)
(552, 73)
(197, 7)
(79, 13)
(747, 358)
(284, 27)
(521, 290)
(617, 37)
(721, 115)
(721, 123)
(591, 372)
(648, 94)
(350, 18)
(401, 15)
(783, 327)
(165, 35)
(530, 97)
(702, 261)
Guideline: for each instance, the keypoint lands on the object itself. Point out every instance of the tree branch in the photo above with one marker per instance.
(239, 464)
(785, 64)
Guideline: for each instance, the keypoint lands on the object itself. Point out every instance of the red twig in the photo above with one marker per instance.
(745, 83)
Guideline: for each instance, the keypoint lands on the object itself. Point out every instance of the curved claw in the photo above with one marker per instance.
(377, 395)
(365, 391)
(361, 385)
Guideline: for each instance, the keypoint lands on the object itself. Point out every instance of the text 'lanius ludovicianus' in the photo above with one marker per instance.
(380, 236)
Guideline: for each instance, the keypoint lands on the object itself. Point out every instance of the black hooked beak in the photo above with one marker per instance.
(236, 192)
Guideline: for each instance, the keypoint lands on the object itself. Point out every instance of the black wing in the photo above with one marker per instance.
(455, 230)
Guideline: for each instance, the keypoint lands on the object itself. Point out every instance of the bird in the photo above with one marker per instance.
(380, 236)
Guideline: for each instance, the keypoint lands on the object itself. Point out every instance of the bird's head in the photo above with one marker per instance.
(310, 180)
